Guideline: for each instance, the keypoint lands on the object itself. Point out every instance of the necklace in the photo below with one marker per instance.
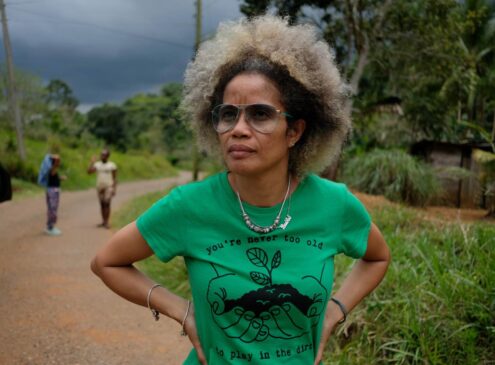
(267, 229)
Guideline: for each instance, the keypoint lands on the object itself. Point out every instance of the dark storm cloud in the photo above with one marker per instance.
(109, 50)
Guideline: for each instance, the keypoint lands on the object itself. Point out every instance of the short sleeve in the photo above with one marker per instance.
(161, 227)
(356, 224)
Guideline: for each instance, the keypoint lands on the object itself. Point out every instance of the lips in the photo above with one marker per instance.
(240, 151)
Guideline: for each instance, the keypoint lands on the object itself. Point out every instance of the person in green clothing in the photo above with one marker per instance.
(259, 239)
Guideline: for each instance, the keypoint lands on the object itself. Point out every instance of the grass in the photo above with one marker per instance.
(132, 165)
(437, 302)
(436, 305)
(394, 174)
(23, 189)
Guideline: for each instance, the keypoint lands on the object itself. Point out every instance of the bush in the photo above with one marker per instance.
(24, 170)
(394, 174)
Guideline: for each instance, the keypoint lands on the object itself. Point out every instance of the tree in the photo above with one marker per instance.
(398, 49)
(177, 135)
(351, 27)
(152, 118)
(59, 94)
(107, 123)
(30, 92)
(62, 116)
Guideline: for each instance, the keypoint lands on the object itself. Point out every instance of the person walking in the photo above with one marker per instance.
(106, 183)
(50, 179)
(258, 239)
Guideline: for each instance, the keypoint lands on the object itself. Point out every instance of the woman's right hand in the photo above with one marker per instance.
(192, 333)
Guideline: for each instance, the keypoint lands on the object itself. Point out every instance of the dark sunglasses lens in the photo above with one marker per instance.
(262, 117)
(228, 113)
(261, 112)
(224, 117)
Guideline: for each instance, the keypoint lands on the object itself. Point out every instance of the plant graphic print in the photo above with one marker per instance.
(262, 308)
(259, 258)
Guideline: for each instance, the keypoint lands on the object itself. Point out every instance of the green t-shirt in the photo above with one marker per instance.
(259, 299)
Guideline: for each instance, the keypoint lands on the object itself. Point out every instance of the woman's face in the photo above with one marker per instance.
(245, 150)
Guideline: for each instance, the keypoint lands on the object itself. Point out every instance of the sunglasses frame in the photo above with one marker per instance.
(240, 108)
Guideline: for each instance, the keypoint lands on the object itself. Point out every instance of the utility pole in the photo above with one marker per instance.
(195, 152)
(14, 109)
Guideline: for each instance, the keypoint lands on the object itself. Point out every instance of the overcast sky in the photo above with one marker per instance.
(109, 50)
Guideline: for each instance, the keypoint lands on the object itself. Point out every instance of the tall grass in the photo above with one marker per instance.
(394, 174)
(436, 305)
(437, 302)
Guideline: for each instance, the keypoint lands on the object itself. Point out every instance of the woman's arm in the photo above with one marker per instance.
(91, 168)
(114, 265)
(364, 277)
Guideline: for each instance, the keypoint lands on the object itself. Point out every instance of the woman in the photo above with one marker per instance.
(258, 239)
(50, 179)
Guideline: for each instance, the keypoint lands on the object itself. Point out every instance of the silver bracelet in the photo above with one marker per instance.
(183, 332)
(154, 312)
(342, 308)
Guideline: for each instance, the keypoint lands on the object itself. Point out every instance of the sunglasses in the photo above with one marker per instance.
(262, 118)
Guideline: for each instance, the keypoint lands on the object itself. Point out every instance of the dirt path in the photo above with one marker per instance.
(53, 310)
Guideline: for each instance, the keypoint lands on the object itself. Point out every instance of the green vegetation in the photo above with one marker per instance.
(75, 161)
(436, 305)
(23, 189)
(433, 58)
(394, 174)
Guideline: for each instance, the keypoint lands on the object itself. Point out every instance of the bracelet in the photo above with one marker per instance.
(183, 332)
(342, 308)
(154, 312)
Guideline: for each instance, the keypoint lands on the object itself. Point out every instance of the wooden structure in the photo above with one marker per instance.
(458, 192)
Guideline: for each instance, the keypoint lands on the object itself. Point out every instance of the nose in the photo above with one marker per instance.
(242, 127)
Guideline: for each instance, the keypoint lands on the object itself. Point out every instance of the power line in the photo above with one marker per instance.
(108, 29)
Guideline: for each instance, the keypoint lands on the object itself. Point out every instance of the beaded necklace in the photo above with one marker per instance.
(267, 229)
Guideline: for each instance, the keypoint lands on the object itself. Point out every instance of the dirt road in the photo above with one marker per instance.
(53, 310)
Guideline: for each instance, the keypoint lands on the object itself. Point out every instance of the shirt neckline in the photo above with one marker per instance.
(253, 209)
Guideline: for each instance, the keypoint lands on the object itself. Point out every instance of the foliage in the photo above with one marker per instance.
(145, 121)
(435, 305)
(106, 122)
(434, 57)
(59, 94)
(74, 162)
(30, 94)
(394, 174)
(45, 110)
(23, 189)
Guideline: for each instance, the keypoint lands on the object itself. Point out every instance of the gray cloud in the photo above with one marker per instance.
(109, 50)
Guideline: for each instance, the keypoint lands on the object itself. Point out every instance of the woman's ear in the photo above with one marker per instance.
(295, 131)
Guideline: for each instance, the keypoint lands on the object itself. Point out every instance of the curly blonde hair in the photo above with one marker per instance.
(302, 66)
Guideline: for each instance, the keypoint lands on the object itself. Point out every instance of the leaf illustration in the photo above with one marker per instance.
(260, 278)
(257, 256)
(277, 259)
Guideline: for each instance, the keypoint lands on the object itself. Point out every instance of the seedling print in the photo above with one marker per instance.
(258, 257)
(277, 310)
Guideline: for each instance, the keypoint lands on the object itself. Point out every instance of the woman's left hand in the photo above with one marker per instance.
(331, 319)
(192, 333)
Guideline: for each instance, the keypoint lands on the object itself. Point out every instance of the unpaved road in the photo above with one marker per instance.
(53, 310)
